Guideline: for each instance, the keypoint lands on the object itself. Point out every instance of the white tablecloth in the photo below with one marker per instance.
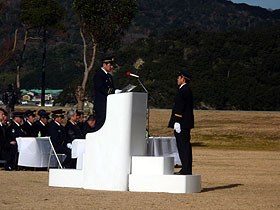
(163, 146)
(33, 152)
(78, 149)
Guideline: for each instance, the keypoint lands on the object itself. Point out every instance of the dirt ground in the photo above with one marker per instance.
(231, 179)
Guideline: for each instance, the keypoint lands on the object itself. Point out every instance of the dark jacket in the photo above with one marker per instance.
(39, 127)
(182, 111)
(87, 129)
(57, 134)
(3, 140)
(103, 86)
(14, 131)
(73, 132)
(29, 129)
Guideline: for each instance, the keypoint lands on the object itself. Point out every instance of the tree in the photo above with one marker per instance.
(102, 24)
(42, 15)
(7, 50)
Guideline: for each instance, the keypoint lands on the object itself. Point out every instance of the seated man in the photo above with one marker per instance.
(27, 126)
(72, 129)
(89, 125)
(3, 129)
(41, 125)
(14, 130)
(57, 133)
(80, 119)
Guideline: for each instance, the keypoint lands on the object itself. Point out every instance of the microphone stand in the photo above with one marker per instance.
(148, 114)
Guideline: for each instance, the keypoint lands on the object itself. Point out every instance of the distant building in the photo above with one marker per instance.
(33, 96)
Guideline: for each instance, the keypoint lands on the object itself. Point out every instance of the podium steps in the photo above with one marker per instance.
(155, 174)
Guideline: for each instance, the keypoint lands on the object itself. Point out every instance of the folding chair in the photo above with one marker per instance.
(53, 152)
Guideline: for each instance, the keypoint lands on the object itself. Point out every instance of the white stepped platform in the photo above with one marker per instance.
(155, 174)
(148, 165)
(66, 178)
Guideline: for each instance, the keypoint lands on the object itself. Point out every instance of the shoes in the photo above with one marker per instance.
(10, 168)
(182, 173)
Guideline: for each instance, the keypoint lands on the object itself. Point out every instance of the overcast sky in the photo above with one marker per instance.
(269, 4)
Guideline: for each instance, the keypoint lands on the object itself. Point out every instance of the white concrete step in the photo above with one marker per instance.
(148, 165)
(66, 178)
(165, 183)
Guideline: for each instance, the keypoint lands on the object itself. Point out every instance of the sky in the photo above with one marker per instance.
(269, 4)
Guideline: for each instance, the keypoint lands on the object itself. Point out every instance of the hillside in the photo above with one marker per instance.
(209, 36)
(157, 16)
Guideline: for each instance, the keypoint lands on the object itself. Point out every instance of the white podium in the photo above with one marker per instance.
(107, 161)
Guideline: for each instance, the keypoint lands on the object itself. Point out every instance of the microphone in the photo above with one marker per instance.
(131, 75)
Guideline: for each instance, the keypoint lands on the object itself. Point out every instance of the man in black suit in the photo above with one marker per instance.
(103, 86)
(41, 125)
(3, 130)
(57, 133)
(72, 129)
(14, 130)
(182, 120)
(27, 126)
(89, 125)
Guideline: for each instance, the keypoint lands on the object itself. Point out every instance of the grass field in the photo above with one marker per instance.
(226, 129)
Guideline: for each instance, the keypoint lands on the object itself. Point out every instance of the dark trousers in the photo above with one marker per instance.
(185, 150)
(68, 162)
(12, 156)
(100, 118)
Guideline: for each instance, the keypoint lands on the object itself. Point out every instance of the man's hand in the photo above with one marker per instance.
(177, 127)
(117, 91)
(69, 145)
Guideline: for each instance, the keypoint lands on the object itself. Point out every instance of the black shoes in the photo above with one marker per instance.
(10, 168)
(182, 173)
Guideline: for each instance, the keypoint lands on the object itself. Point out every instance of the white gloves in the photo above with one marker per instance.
(69, 145)
(117, 91)
(177, 127)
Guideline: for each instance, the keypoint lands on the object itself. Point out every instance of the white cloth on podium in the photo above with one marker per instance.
(163, 146)
(78, 149)
(33, 152)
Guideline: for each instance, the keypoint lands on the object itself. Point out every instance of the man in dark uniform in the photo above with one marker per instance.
(3, 130)
(89, 125)
(80, 119)
(27, 126)
(182, 120)
(72, 129)
(14, 130)
(103, 86)
(57, 133)
(41, 125)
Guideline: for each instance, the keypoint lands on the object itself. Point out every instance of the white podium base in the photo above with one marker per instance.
(66, 178)
(165, 183)
(155, 174)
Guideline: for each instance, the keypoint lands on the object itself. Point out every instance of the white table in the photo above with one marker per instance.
(78, 149)
(163, 146)
(33, 152)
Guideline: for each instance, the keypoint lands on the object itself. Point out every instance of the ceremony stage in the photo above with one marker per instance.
(115, 156)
